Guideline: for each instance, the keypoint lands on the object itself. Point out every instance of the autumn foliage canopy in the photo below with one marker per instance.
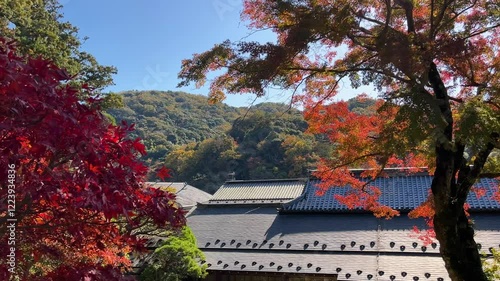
(79, 195)
(435, 67)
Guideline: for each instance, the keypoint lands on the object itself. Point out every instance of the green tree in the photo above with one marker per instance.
(300, 154)
(205, 164)
(261, 134)
(38, 28)
(492, 265)
(362, 105)
(435, 65)
(177, 259)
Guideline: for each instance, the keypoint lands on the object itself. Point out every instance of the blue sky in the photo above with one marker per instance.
(146, 40)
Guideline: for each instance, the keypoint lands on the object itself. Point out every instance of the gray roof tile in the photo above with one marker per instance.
(346, 266)
(399, 192)
(315, 263)
(352, 242)
(187, 195)
(260, 191)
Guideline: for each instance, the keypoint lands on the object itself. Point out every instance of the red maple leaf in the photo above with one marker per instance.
(74, 164)
(163, 173)
(139, 146)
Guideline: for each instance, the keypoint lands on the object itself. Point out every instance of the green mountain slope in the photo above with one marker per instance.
(203, 144)
(165, 119)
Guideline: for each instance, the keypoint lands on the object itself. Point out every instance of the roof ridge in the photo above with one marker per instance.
(301, 197)
(266, 180)
(287, 189)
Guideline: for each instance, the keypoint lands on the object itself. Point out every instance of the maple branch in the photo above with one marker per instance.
(53, 163)
(352, 161)
(49, 224)
(471, 67)
(489, 175)
(370, 19)
(366, 31)
(457, 14)
(388, 14)
(442, 97)
(379, 173)
(295, 91)
(407, 5)
(484, 30)
(145, 228)
(431, 29)
(471, 174)
(440, 17)
(330, 92)
(253, 32)
(351, 69)
(369, 69)
(359, 43)
(456, 99)
(33, 212)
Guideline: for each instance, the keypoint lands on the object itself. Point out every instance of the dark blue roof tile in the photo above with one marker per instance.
(402, 193)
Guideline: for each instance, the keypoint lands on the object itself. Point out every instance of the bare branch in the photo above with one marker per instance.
(489, 175)
(482, 31)
(352, 69)
(359, 43)
(457, 14)
(346, 164)
(431, 19)
(473, 173)
(456, 99)
(370, 19)
(407, 5)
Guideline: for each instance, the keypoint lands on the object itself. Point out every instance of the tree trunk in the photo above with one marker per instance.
(453, 229)
(456, 238)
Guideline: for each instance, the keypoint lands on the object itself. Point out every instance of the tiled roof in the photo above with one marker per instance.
(187, 195)
(399, 192)
(311, 240)
(342, 244)
(290, 262)
(345, 266)
(258, 191)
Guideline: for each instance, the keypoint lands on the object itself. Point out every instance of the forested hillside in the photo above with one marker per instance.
(165, 119)
(203, 144)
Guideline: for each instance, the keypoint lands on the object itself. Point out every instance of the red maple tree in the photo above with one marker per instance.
(72, 198)
(435, 66)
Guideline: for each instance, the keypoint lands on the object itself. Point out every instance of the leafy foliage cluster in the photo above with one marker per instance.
(74, 182)
(492, 265)
(178, 258)
(79, 184)
(38, 29)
